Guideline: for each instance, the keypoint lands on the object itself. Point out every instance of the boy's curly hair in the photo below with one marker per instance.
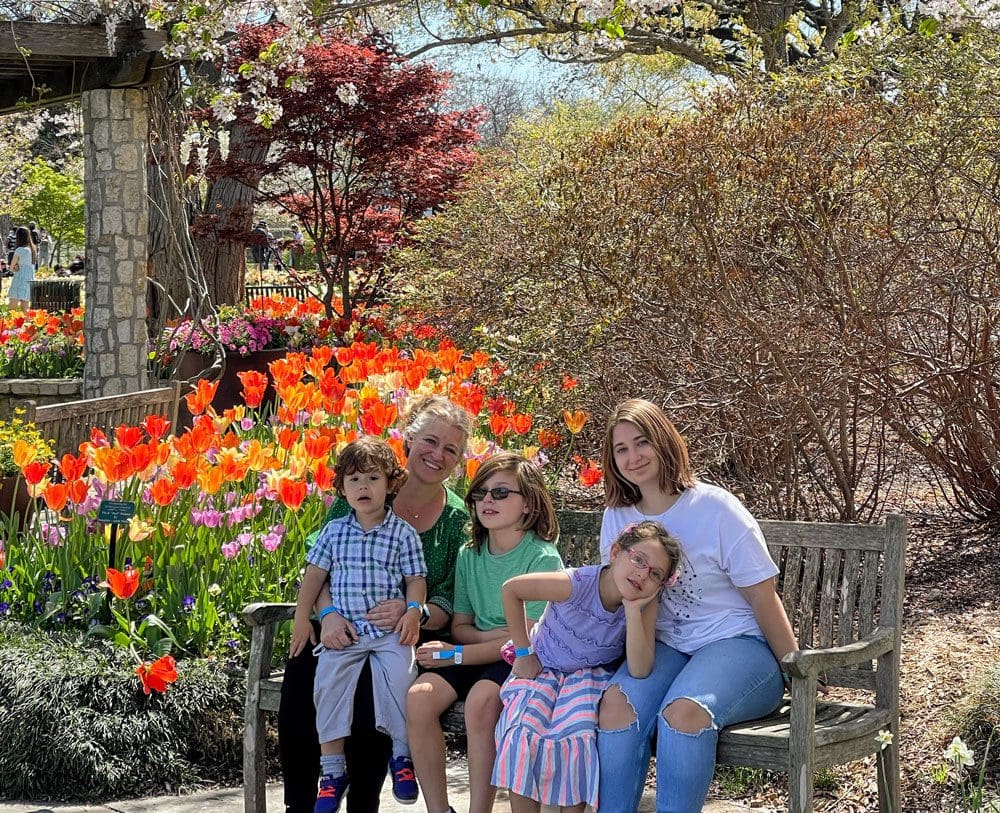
(366, 454)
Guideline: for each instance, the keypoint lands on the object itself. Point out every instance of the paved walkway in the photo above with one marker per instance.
(230, 800)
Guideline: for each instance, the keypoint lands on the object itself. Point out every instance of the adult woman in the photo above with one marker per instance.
(23, 266)
(720, 631)
(434, 439)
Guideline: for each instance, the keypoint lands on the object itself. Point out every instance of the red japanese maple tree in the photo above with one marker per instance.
(363, 147)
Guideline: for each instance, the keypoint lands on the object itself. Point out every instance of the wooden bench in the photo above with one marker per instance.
(842, 586)
(299, 292)
(55, 294)
(69, 424)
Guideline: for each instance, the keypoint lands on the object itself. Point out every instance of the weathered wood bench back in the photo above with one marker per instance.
(69, 424)
(842, 586)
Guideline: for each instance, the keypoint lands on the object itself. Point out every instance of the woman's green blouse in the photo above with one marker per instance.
(441, 543)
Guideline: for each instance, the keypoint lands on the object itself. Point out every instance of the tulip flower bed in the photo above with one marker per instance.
(222, 509)
(39, 344)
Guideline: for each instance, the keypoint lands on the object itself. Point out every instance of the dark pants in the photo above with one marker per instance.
(368, 750)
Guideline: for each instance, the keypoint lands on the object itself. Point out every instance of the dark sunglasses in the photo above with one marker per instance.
(498, 493)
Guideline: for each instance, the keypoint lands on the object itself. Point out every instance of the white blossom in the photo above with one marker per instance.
(348, 94)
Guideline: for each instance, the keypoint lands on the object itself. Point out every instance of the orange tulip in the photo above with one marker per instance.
(128, 436)
(72, 468)
(123, 585)
(211, 480)
(254, 387)
(379, 417)
(591, 474)
(198, 401)
(56, 495)
(78, 491)
(183, 473)
(575, 420)
(323, 477)
(34, 472)
(547, 439)
(156, 675)
(472, 466)
(156, 426)
(163, 492)
(499, 425)
(520, 423)
(291, 492)
(317, 445)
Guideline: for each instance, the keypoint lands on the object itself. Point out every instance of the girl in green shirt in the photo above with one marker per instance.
(514, 527)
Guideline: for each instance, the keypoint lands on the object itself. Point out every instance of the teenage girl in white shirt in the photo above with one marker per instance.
(720, 631)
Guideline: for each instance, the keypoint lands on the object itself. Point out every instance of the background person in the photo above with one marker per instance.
(23, 267)
(435, 435)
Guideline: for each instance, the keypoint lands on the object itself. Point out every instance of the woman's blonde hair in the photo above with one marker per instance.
(432, 408)
(541, 513)
(676, 474)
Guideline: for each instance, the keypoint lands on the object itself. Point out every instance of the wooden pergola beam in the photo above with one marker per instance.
(73, 42)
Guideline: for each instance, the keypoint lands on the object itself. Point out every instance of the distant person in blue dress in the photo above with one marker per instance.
(23, 266)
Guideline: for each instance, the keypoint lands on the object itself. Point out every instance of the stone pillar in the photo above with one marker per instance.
(116, 210)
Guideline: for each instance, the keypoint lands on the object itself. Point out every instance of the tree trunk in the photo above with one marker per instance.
(222, 229)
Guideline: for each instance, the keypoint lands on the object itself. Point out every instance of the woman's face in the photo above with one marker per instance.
(634, 455)
(435, 451)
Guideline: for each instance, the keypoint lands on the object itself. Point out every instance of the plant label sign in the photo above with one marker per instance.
(117, 512)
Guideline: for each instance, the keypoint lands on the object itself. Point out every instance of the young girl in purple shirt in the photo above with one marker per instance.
(547, 734)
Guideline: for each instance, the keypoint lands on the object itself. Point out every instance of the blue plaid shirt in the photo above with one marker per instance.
(367, 567)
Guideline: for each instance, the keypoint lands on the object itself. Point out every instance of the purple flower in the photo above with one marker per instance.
(230, 549)
(272, 539)
(188, 603)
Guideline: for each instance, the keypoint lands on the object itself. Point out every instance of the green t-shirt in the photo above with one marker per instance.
(480, 575)
(441, 543)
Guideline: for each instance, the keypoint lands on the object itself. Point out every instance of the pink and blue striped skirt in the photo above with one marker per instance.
(547, 736)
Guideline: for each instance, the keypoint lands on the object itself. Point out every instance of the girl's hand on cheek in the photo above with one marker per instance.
(637, 605)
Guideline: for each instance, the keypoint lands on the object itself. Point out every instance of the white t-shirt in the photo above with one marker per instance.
(723, 549)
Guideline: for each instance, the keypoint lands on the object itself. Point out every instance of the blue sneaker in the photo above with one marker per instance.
(404, 782)
(331, 793)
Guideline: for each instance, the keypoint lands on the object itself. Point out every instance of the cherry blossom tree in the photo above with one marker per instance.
(360, 151)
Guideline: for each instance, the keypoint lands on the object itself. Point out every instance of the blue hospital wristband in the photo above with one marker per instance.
(326, 611)
(524, 651)
(448, 654)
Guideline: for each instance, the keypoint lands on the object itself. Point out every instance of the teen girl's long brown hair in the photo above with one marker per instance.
(676, 474)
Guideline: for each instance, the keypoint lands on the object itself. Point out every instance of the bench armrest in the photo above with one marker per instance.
(264, 614)
(808, 663)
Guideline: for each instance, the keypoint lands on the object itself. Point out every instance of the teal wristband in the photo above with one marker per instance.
(414, 605)
(326, 611)
(524, 651)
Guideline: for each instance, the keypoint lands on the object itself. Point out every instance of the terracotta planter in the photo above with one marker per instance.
(229, 393)
(14, 500)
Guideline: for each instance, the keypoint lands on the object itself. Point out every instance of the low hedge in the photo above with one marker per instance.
(76, 725)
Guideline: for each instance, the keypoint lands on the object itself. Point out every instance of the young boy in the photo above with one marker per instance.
(367, 554)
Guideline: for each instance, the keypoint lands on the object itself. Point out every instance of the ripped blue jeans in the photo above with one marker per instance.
(735, 679)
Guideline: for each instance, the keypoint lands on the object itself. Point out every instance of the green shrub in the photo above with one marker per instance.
(77, 726)
(978, 719)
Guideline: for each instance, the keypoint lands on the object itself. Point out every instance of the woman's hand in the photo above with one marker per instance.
(302, 634)
(386, 615)
(425, 655)
(527, 666)
(337, 632)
